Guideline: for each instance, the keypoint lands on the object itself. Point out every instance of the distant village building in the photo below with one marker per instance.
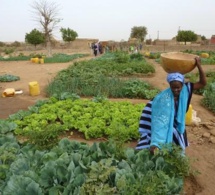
(199, 39)
(212, 41)
(132, 41)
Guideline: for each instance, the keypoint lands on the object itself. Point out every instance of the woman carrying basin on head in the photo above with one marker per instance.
(163, 118)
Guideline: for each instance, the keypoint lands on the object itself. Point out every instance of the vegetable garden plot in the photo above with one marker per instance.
(71, 167)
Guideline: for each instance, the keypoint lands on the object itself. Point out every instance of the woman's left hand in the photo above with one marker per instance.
(197, 61)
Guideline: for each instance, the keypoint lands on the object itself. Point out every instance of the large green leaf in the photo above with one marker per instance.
(78, 170)
(21, 185)
(79, 180)
(9, 141)
(124, 165)
(50, 156)
(47, 174)
(61, 174)
(19, 166)
(6, 126)
(76, 158)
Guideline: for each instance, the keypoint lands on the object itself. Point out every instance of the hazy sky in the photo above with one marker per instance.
(112, 19)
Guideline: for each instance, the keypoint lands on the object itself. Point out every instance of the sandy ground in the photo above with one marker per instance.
(200, 149)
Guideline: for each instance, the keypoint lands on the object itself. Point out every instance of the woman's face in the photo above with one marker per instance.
(176, 87)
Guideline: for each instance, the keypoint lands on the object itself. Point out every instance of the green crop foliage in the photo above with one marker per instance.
(71, 167)
(105, 76)
(56, 58)
(8, 78)
(207, 91)
(209, 96)
(94, 119)
(62, 58)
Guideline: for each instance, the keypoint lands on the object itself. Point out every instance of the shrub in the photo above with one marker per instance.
(209, 97)
(2, 44)
(8, 50)
(16, 44)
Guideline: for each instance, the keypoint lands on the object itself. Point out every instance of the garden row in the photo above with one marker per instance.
(56, 58)
(71, 167)
(113, 75)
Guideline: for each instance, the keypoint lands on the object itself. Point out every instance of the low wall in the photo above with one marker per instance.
(177, 48)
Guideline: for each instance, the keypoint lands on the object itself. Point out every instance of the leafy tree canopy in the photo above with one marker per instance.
(35, 37)
(203, 38)
(68, 34)
(186, 35)
(138, 32)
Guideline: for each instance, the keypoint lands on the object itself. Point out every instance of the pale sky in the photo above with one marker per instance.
(112, 19)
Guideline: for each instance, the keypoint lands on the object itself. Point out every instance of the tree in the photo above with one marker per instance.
(203, 38)
(68, 34)
(139, 32)
(47, 17)
(35, 37)
(186, 35)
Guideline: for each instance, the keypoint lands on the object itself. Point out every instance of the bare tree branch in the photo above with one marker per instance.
(46, 15)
